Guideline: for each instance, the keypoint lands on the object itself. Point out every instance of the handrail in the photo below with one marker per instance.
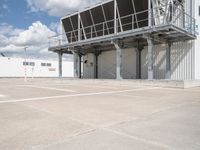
(178, 17)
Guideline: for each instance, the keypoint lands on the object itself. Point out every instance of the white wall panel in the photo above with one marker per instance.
(182, 60)
(197, 42)
(182, 63)
(88, 66)
(107, 65)
(159, 62)
(13, 67)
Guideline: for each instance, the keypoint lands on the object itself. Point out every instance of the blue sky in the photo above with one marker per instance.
(18, 14)
(31, 22)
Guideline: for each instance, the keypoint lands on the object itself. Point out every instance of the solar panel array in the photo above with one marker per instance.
(99, 20)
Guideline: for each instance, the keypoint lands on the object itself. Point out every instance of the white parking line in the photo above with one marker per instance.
(2, 95)
(89, 86)
(75, 95)
(49, 88)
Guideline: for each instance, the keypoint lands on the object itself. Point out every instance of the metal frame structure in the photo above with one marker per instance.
(151, 22)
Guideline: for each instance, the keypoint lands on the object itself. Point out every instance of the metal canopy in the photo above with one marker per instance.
(119, 19)
(99, 21)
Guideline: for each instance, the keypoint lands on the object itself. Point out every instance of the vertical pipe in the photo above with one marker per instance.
(168, 62)
(150, 58)
(60, 54)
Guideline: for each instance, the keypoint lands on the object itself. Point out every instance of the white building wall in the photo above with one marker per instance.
(182, 61)
(185, 58)
(107, 65)
(197, 42)
(13, 67)
(88, 66)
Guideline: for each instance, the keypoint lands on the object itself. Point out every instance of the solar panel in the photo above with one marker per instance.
(99, 20)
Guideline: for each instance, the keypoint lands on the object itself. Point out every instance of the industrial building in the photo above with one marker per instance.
(131, 39)
(20, 67)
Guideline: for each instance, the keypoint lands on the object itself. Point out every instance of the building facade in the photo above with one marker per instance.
(19, 67)
(125, 39)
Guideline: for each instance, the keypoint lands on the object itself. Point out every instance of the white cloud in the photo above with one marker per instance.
(58, 7)
(37, 34)
(13, 40)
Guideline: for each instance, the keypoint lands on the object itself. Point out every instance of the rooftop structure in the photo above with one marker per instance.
(121, 24)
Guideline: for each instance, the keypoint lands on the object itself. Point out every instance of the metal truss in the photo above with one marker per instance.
(161, 13)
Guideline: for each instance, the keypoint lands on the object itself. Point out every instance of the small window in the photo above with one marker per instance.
(25, 63)
(49, 64)
(43, 64)
(32, 64)
(199, 10)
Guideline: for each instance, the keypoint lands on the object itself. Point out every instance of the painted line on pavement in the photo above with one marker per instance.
(75, 95)
(3, 95)
(48, 88)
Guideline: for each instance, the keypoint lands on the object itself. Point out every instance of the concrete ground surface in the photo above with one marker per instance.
(53, 114)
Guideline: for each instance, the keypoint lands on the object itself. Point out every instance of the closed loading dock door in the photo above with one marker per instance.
(107, 64)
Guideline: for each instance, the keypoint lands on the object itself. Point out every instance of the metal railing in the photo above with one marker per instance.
(172, 15)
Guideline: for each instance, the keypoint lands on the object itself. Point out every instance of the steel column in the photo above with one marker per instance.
(168, 62)
(76, 57)
(96, 55)
(60, 54)
(79, 66)
(115, 16)
(118, 61)
(149, 13)
(150, 58)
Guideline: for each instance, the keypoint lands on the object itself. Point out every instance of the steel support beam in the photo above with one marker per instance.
(115, 16)
(96, 55)
(150, 58)
(79, 66)
(149, 14)
(168, 62)
(76, 59)
(60, 54)
(139, 59)
(118, 61)
(140, 64)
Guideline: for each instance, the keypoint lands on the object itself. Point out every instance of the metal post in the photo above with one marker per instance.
(150, 58)
(115, 16)
(75, 64)
(60, 54)
(168, 62)
(96, 55)
(79, 66)
(140, 64)
(118, 61)
(25, 69)
(150, 13)
(139, 58)
(79, 27)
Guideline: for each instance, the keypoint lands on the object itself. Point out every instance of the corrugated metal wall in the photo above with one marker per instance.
(107, 65)
(182, 61)
(197, 42)
(88, 66)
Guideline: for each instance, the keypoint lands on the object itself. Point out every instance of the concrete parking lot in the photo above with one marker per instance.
(53, 114)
